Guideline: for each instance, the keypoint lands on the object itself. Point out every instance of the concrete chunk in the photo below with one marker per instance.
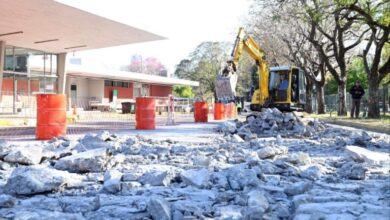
(360, 154)
(33, 180)
(89, 161)
(159, 209)
(7, 201)
(25, 155)
(199, 178)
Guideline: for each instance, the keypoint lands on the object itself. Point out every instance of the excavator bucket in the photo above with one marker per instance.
(225, 86)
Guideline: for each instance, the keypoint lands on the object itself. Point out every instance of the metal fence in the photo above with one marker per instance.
(331, 102)
(18, 115)
(23, 105)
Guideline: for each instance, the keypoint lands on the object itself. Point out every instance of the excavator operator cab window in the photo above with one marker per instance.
(278, 84)
(294, 84)
(273, 78)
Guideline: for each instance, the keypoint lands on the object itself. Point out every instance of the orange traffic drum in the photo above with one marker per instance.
(201, 111)
(145, 113)
(228, 111)
(219, 111)
(51, 116)
(231, 110)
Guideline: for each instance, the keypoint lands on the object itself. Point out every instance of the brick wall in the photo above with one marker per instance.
(123, 93)
(161, 91)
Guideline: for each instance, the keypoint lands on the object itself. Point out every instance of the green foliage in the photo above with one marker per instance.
(385, 56)
(183, 91)
(355, 72)
(245, 71)
(331, 85)
(202, 65)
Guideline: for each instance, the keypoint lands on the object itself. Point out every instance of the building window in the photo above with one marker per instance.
(34, 66)
(30, 61)
(140, 90)
(117, 83)
(125, 84)
(108, 83)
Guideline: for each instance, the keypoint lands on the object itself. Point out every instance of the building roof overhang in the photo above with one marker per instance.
(50, 26)
(73, 70)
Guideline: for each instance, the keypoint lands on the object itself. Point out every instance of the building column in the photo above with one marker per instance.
(2, 58)
(61, 71)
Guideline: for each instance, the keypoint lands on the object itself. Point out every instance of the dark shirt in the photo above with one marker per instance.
(357, 92)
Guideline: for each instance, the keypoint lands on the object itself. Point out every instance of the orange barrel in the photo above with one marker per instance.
(219, 111)
(145, 113)
(51, 116)
(201, 111)
(234, 106)
(228, 111)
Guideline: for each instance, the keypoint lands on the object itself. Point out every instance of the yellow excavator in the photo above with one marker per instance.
(282, 87)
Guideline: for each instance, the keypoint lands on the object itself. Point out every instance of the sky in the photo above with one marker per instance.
(185, 24)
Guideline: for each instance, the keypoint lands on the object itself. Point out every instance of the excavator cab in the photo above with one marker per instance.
(282, 87)
(287, 88)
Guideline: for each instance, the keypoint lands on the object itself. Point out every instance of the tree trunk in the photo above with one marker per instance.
(320, 100)
(373, 98)
(341, 109)
(309, 92)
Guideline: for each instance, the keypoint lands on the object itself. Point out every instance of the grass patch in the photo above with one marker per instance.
(381, 124)
(13, 122)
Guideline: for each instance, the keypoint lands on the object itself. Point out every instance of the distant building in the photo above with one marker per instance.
(33, 56)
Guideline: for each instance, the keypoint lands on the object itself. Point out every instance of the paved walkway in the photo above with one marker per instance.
(94, 125)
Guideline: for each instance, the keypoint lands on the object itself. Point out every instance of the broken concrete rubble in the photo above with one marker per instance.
(33, 180)
(7, 201)
(285, 175)
(30, 155)
(112, 181)
(272, 122)
(95, 160)
(159, 208)
(361, 155)
(198, 178)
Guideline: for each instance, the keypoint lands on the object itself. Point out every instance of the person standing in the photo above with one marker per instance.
(357, 93)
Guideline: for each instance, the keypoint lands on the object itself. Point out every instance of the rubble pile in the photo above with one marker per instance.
(272, 122)
(342, 175)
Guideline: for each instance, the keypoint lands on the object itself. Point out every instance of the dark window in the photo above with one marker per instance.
(108, 83)
(117, 83)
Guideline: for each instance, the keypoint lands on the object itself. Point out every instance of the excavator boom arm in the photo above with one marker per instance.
(248, 44)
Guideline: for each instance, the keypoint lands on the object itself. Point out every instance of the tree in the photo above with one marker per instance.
(307, 58)
(202, 65)
(154, 67)
(355, 72)
(376, 15)
(285, 42)
(327, 19)
(184, 69)
(183, 91)
(248, 75)
(150, 65)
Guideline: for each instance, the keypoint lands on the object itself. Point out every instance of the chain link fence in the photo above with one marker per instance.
(331, 102)
(18, 114)
(91, 111)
